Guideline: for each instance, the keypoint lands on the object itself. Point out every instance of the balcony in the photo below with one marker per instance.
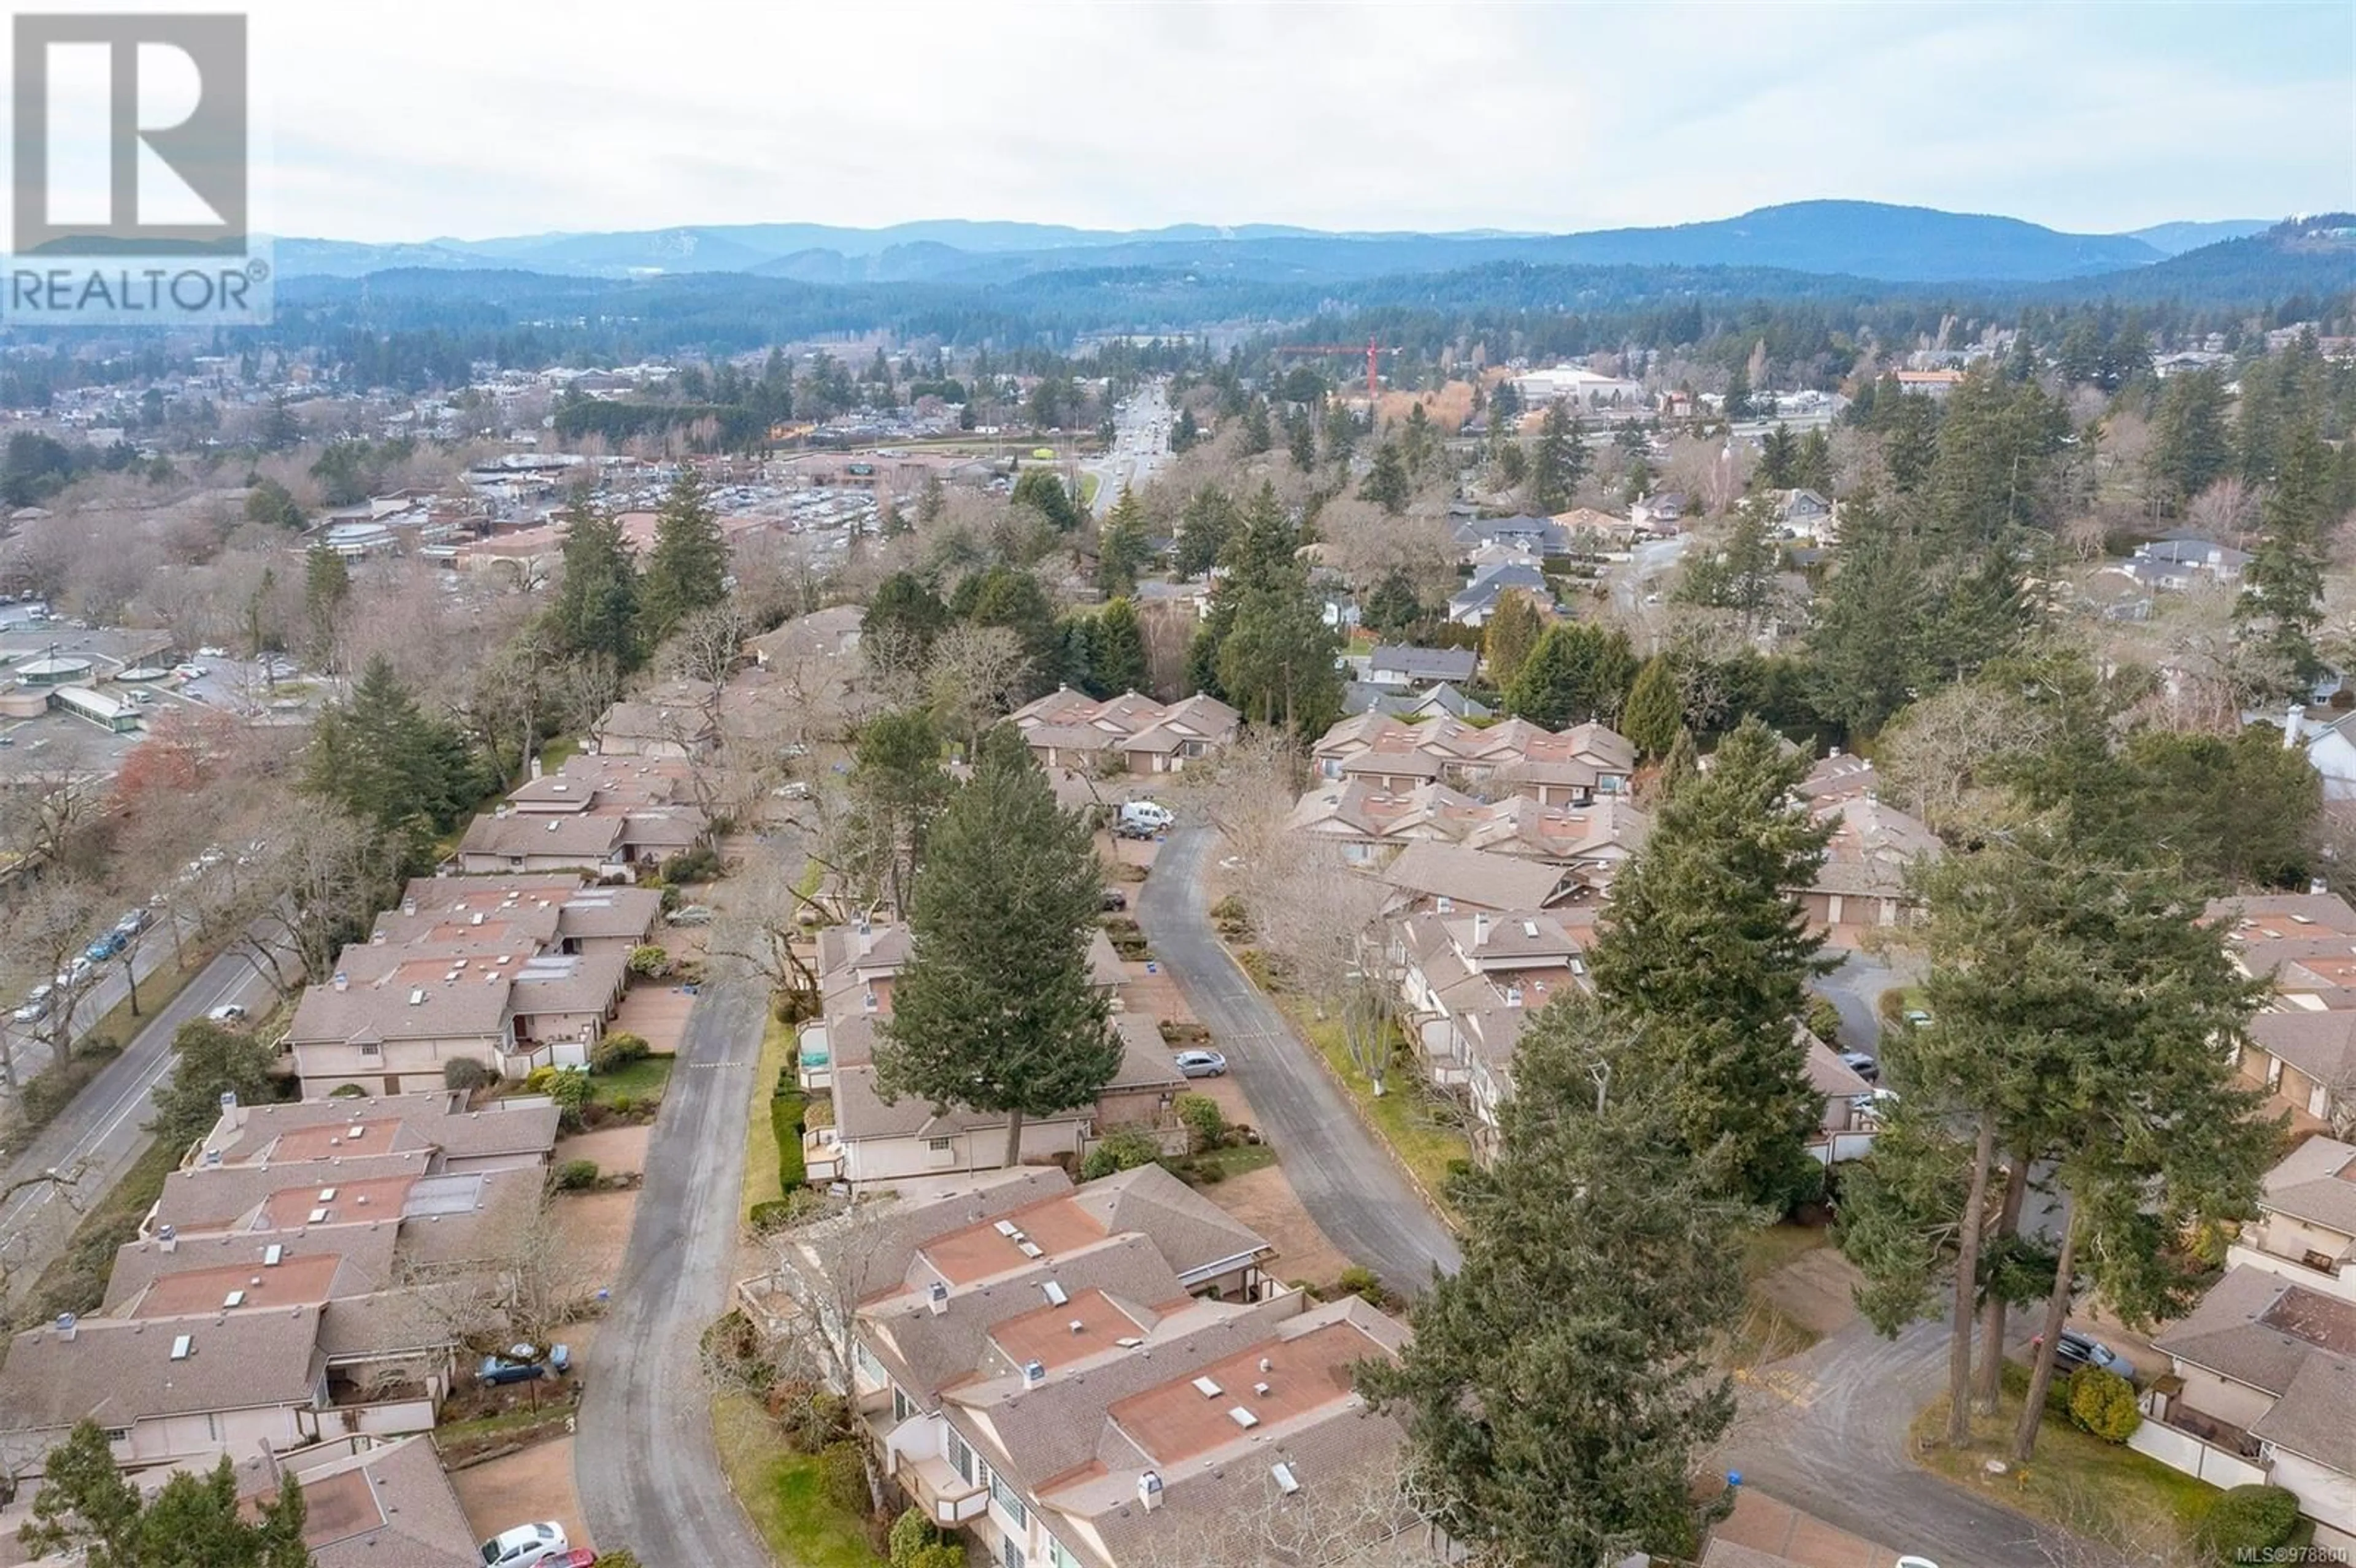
(947, 1498)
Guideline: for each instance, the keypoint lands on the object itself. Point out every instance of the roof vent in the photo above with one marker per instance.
(551, 826)
(1261, 1388)
(475, 919)
(1028, 1248)
(1078, 1325)
(1286, 1481)
(1056, 1294)
(1242, 1417)
(1034, 1373)
(1266, 1365)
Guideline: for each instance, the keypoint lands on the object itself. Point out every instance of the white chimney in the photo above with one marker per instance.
(169, 1238)
(65, 1326)
(409, 906)
(1034, 1373)
(1149, 1490)
(1480, 930)
(343, 981)
(939, 1300)
(229, 1102)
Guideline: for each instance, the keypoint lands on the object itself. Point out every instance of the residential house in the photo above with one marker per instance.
(2306, 1057)
(1413, 668)
(1571, 766)
(1934, 384)
(1367, 818)
(2262, 1379)
(1477, 601)
(1807, 514)
(368, 1503)
(620, 814)
(2188, 558)
(1523, 538)
(1096, 1375)
(1068, 729)
(668, 726)
(2306, 1228)
(1434, 877)
(1469, 981)
(1862, 881)
(1659, 515)
(1442, 701)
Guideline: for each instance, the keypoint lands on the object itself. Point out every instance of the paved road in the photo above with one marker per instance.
(1833, 1443)
(645, 1460)
(1348, 1184)
(100, 1131)
(1141, 446)
(1855, 989)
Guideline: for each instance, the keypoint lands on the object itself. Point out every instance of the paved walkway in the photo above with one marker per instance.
(1346, 1181)
(646, 1462)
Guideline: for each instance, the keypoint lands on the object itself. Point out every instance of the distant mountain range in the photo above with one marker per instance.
(1852, 239)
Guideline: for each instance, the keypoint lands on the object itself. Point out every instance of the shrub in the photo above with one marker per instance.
(346, 1092)
(1362, 1283)
(1823, 1021)
(2243, 1524)
(695, 865)
(1206, 1124)
(577, 1175)
(945, 1555)
(617, 1050)
(786, 1126)
(570, 1093)
(624, 1104)
(843, 1468)
(915, 1542)
(466, 1073)
(539, 1079)
(2103, 1404)
(649, 961)
(1123, 1148)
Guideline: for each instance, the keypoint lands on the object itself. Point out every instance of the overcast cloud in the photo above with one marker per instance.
(432, 117)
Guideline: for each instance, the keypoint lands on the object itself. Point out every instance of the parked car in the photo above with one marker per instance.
(2077, 1350)
(689, 914)
(1114, 899)
(105, 947)
(1863, 1065)
(1199, 1065)
(579, 1557)
(227, 1013)
(498, 1369)
(133, 921)
(71, 976)
(36, 1004)
(527, 1546)
(1146, 813)
(1917, 1019)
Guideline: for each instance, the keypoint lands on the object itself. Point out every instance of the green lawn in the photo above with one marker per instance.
(641, 1081)
(2104, 1490)
(763, 1159)
(782, 1492)
(1417, 1126)
(1089, 486)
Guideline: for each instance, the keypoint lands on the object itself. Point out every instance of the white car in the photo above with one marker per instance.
(525, 1546)
(227, 1013)
(37, 1005)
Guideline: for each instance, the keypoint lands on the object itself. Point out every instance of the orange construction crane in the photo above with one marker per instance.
(1373, 350)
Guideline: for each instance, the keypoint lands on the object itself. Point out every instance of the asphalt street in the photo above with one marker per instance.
(1829, 1436)
(645, 1459)
(100, 1133)
(1358, 1197)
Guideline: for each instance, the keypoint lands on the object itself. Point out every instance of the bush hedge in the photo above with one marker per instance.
(2246, 1521)
(1206, 1124)
(577, 1175)
(617, 1050)
(1123, 1148)
(466, 1073)
(2103, 1404)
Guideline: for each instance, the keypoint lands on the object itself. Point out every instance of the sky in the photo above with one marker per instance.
(427, 118)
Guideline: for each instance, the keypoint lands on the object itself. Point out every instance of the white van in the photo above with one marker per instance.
(1146, 815)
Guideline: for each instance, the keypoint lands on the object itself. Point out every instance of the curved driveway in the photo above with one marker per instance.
(1349, 1186)
(645, 1460)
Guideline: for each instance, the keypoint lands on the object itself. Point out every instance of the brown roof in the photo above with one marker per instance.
(1194, 1233)
(2316, 1182)
(2258, 1329)
(979, 1251)
(591, 836)
(217, 1197)
(435, 1118)
(365, 1249)
(2320, 1044)
(118, 1371)
(1473, 878)
(386, 1506)
(2274, 916)
(1183, 1420)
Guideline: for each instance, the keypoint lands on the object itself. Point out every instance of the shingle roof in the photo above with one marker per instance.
(2321, 1045)
(2244, 1329)
(205, 1199)
(1191, 1232)
(2315, 1183)
(118, 1371)
(389, 1505)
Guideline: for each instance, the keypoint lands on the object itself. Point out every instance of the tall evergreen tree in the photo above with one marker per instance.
(687, 569)
(1559, 463)
(1578, 672)
(1392, 609)
(327, 587)
(897, 788)
(1705, 944)
(595, 609)
(1556, 1392)
(996, 1010)
(2190, 449)
(1867, 644)
(1386, 483)
(1203, 529)
(1512, 631)
(1655, 715)
(2281, 602)
(902, 621)
(382, 758)
(1118, 649)
(195, 1520)
(1123, 548)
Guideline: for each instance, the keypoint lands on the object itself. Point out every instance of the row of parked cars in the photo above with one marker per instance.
(107, 945)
